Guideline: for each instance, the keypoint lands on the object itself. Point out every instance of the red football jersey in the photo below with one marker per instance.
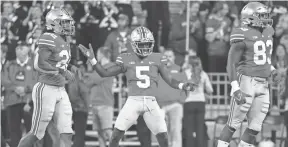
(60, 56)
(142, 74)
(256, 59)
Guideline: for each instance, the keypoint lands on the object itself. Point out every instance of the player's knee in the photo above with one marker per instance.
(234, 125)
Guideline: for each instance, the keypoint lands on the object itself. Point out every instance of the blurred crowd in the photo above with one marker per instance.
(106, 25)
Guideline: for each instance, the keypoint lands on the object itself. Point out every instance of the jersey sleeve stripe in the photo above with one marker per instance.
(238, 35)
(237, 38)
(46, 40)
(43, 43)
(119, 61)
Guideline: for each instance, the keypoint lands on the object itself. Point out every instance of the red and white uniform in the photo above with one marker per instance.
(256, 60)
(60, 57)
(49, 96)
(142, 79)
(253, 72)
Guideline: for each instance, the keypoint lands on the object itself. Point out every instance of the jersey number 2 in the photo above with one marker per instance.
(260, 56)
(145, 79)
(64, 62)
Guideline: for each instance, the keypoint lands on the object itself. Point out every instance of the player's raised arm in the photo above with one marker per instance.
(114, 70)
(164, 72)
(41, 63)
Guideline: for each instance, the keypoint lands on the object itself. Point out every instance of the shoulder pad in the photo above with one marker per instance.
(238, 34)
(47, 39)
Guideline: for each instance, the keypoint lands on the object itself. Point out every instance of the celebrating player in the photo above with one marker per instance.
(249, 67)
(49, 95)
(141, 69)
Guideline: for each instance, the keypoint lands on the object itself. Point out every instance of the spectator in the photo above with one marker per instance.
(194, 107)
(117, 41)
(11, 26)
(158, 11)
(78, 93)
(102, 98)
(284, 99)
(218, 28)
(89, 25)
(4, 125)
(32, 38)
(10, 21)
(282, 26)
(280, 62)
(178, 33)
(108, 21)
(171, 100)
(284, 40)
(18, 80)
(34, 19)
(124, 6)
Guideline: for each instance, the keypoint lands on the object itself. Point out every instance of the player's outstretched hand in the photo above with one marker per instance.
(89, 53)
(189, 86)
(240, 97)
(276, 76)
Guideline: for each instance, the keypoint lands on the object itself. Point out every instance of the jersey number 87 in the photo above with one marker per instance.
(63, 64)
(260, 56)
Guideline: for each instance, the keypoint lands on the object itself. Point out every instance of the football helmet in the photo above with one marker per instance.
(142, 41)
(256, 14)
(60, 22)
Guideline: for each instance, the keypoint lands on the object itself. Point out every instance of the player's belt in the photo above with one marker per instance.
(142, 97)
(258, 79)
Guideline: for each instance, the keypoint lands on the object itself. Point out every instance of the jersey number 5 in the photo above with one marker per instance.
(260, 56)
(144, 79)
(63, 64)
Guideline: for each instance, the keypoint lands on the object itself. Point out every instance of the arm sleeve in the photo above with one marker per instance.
(234, 57)
(237, 35)
(46, 46)
(207, 83)
(114, 70)
(165, 74)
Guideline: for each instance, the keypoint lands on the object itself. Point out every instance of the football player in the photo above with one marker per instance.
(141, 69)
(249, 68)
(49, 96)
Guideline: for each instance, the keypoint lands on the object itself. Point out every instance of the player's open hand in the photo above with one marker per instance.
(240, 97)
(89, 53)
(189, 86)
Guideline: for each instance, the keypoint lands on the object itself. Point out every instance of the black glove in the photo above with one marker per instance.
(67, 74)
(240, 97)
(189, 86)
(276, 76)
